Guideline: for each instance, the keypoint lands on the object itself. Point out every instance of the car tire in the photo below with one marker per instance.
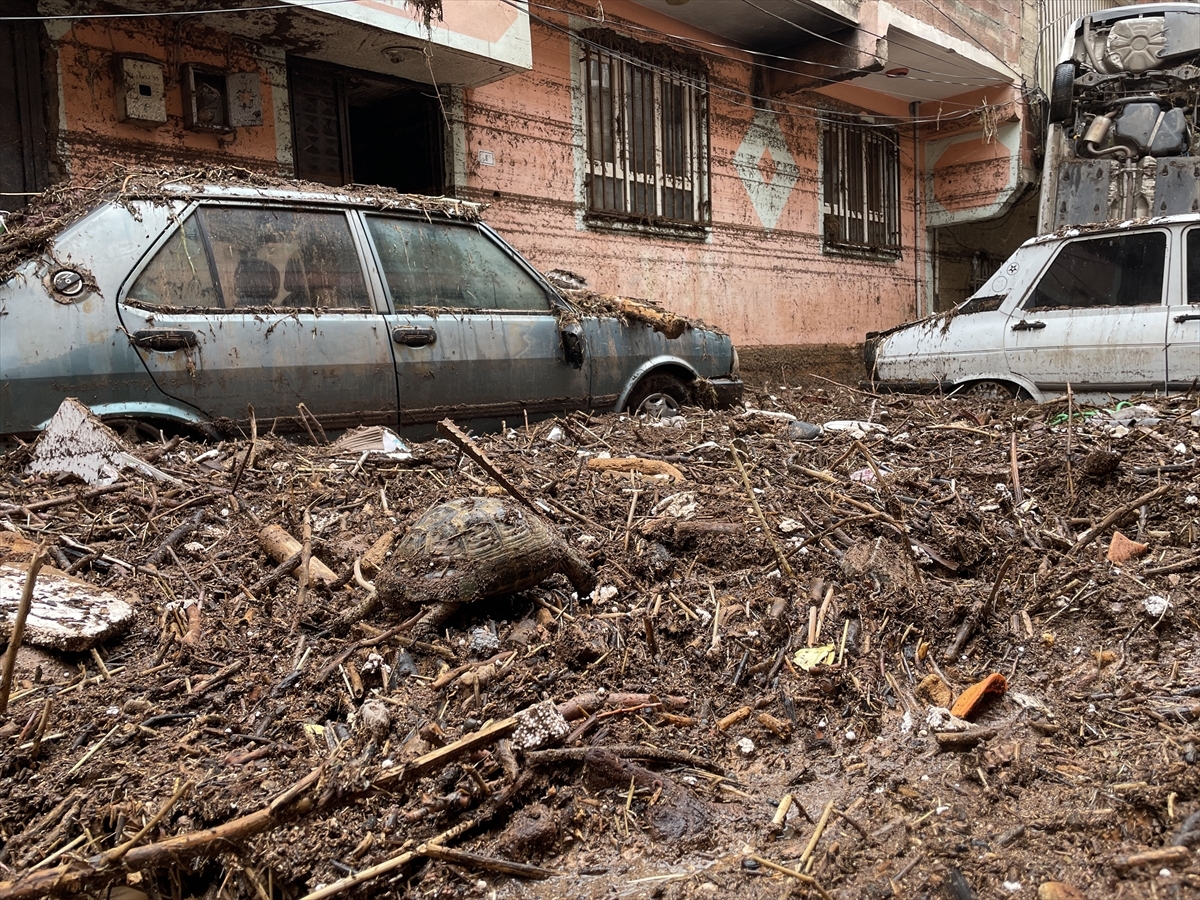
(658, 396)
(997, 391)
(1061, 92)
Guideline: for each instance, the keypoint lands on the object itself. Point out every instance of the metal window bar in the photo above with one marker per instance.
(644, 133)
(861, 184)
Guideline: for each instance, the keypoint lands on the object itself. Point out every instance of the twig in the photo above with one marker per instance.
(817, 832)
(971, 621)
(1116, 515)
(18, 629)
(487, 863)
(1018, 494)
(447, 429)
(172, 540)
(799, 876)
(118, 852)
(784, 566)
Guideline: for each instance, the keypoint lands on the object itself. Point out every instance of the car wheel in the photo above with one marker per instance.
(1061, 92)
(134, 431)
(658, 396)
(988, 390)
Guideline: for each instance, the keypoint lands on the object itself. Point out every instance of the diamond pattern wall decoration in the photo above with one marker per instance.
(766, 167)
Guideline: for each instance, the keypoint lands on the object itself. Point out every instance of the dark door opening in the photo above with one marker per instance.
(24, 165)
(352, 126)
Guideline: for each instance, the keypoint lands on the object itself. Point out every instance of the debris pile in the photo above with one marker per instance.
(836, 645)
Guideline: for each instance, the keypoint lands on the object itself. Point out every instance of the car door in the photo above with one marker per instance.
(1183, 321)
(474, 331)
(264, 306)
(1096, 317)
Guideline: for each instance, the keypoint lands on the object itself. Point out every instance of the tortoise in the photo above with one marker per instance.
(471, 549)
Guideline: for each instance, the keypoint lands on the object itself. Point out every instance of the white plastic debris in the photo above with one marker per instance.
(770, 414)
(855, 425)
(1156, 606)
(603, 593)
(555, 434)
(941, 719)
(679, 506)
(745, 746)
(371, 439)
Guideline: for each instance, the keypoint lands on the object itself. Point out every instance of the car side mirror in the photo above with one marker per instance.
(572, 344)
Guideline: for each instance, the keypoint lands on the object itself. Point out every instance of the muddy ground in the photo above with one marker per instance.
(711, 752)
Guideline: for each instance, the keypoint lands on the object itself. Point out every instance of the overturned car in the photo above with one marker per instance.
(1109, 310)
(204, 305)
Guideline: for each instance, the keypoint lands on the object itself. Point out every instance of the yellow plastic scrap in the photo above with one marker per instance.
(807, 657)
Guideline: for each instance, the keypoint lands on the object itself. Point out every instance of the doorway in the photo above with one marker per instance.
(24, 166)
(350, 126)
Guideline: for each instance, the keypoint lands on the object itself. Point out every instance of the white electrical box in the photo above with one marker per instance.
(140, 94)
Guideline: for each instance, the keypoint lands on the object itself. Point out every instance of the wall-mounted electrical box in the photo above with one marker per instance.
(217, 101)
(205, 99)
(140, 95)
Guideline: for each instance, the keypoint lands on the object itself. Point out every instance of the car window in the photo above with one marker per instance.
(1193, 266)
(1119, 270)
(257, 257)
(179, 274)
(442, 265)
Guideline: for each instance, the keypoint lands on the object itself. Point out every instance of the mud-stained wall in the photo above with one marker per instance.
(764, 285)
(90, 139)
(759, 270)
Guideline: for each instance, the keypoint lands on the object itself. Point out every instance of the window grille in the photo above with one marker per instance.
(646, 138)
(861, 188)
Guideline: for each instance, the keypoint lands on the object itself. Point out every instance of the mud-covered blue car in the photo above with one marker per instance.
(193, 306)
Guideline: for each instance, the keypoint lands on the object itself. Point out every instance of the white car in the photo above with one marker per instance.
(1111, 310)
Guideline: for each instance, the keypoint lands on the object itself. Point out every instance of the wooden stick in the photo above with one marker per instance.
(817, 832)
(447, 429)
(18, 629)
(1070, 433)
(1116, 515)
(488, 863)
(784, 566)
(118, 852)
(792, 873)
(1018, 494)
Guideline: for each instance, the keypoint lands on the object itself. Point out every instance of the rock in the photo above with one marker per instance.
(804, 431)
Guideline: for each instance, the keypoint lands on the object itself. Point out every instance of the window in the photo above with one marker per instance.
(1193, 266)
(1126, 270)
(237, 257)
(861, 181)
(646, 121)
(444, 266)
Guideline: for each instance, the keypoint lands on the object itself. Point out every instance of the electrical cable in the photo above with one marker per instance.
(174, 13)
(710, 87)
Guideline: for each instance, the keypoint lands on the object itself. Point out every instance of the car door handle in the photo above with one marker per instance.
(1188, 317)
(164, 339)
(412, 336)
(1028, 326)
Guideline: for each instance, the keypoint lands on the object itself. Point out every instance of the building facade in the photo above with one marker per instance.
(796, 172)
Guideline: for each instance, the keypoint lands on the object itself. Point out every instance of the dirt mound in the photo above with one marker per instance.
(749, 705)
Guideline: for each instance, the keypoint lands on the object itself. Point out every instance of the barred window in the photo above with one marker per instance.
(645, 121)
(861, 181)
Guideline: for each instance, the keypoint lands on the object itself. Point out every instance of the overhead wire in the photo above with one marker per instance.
(824, 37)
(173, 12)
(710, 86)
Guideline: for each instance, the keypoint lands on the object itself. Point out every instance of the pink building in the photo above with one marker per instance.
(796, 172)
